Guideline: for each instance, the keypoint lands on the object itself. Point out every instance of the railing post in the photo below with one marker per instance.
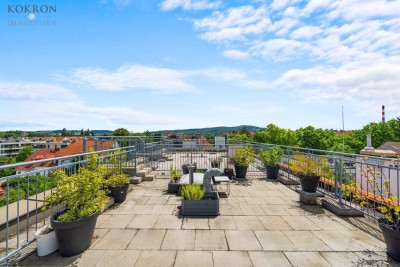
(340, 180)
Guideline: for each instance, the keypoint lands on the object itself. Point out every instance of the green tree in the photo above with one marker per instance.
(64, 132)
(244, 131)
(239, 137)
(82, 132)
(311, 137)
(87, 132)
(24, 153)
(276, 135)
(2, 135)
(121, 132)
(93, 134)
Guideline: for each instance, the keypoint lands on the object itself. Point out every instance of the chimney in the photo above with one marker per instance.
(383, 113)
(369, 143)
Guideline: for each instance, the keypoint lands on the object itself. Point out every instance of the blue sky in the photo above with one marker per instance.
(174, 64)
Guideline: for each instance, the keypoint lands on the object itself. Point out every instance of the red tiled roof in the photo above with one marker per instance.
(77, 147)
(38, 155)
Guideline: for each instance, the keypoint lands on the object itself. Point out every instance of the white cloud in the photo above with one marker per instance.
(132, 77)
(235, 54)
(281, 49)
(234, 24)
(305, 32)
(168, 5)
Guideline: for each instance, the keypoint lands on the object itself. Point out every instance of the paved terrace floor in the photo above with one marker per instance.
(262, 223)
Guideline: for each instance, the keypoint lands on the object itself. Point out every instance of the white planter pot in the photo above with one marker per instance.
(46, 243)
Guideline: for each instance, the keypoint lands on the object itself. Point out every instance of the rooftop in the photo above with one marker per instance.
(262, 223)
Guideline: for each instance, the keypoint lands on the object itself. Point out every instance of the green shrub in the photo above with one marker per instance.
(118, 180)
(82, 192)
(272, 156)
(193, 192)
(244, 157)
(174, 174)
(12, 196)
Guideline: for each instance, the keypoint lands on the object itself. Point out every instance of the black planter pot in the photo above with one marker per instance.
(76, 236)
(272, 171)
(215, 165)
(392, 239)
(173, 187)
(228, 172)
(185, 168)
(240, 171)
(119, 192)
(309, 183)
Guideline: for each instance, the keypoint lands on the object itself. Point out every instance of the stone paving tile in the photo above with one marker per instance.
(343, 259)
(255, 200)
(155, 258)
(210, 240)
(327, 223)
(168, 222)
(293, 200)
(163, 209)
(159, 200)
(137, 199)
(223, 201)
(115, 239)
(231, 258)
(306, 241)
(102, 217)
(97, 235)
(89, 258)
(309, 259)
(117, 221)
(367, 241)
(143, 221)
(274, 241)
(242, 240)
(274, 200)
(179, 240)
(194, 259)
(195, 223)
(233, 209)
(147, 239)
(274, 193)
(276, 209)
(274, 223)
(251, 209)
(269, 259)
(339, 240)
(248, 223)
(222, 223)
(153, 192)
(119, 258)
(300, 223)
(173, 200)
(235, 200)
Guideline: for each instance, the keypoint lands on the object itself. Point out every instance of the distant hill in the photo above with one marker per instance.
(97, 132)
(214, 130)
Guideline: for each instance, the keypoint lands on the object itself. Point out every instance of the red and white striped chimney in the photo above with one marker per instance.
(383, 113)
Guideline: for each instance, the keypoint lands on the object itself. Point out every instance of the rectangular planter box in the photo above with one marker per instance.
(173, 188)
(208, 206)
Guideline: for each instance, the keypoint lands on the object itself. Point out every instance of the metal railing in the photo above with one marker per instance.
(21, 204)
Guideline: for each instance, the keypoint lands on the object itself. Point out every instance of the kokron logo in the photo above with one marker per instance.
(32, 9)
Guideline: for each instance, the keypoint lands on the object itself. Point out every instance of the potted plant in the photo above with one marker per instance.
(185, 168)
(175, 175)
(83, 196)
(118, 184)
(308, 172)
(271, 158)
(197, 202)
(242, 159)
(216, 162)
(46, 240)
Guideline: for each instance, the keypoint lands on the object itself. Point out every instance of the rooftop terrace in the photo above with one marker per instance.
(262, 223)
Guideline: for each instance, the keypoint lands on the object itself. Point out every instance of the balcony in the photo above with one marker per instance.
(261, 223)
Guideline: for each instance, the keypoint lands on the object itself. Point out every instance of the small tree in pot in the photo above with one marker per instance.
(118, 184)
(216, 162)
(175, 175)
(243, 158)
(271, 158)
(83, 196)
(308, 171)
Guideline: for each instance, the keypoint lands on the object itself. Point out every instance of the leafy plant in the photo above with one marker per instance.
(116, 160)
(193, 192)
(81, 192)
(118, 180)
(216, 162)
(174, 174)
(244, 157)
(305, 166)
(272, 156)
